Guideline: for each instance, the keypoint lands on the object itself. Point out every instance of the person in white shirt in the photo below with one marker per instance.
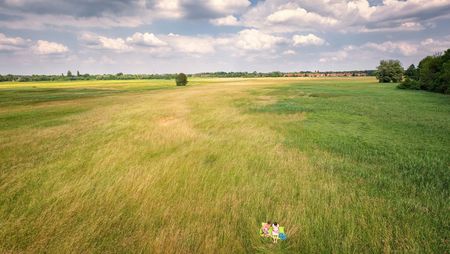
(275, 231)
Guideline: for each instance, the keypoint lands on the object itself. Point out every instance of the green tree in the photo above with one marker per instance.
(412, 72)
(445, 73)
(429, 69)
(69, 73)
(432, 74)
(78, 73)
(181, 79)
(389, 70)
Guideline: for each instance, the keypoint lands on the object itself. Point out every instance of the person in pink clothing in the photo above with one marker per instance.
(275, 231)
(265, 229)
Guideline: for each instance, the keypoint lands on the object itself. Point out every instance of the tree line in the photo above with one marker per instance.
(121, 76)
(431, 74)
(69, 76)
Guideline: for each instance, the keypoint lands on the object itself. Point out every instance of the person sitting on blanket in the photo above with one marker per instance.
(275, 231)
(265, 229)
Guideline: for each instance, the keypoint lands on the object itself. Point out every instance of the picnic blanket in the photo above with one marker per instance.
(281, 233)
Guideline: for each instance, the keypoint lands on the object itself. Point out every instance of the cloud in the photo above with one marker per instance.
(49, 48)
(48, 22)
(301, 17)
(255, 40)
(102, 42)
(403, 29)
(395, 27)
(191, 45)
(99, 60)
(378, 51)
(245, 42)
(12, 43)
(166, 9)
(229, 20)
(145, 39)
(289, 52)
(81, 8)
(345, 16)
(371, 50)
(336, 56)
(275, 15)
(415, 9)
(404, 48)
(294, 15)
(228, 6)
(435, 45)
(44, 14)
(161, 45)
(212, 8)
(395, 15)
(306, 40)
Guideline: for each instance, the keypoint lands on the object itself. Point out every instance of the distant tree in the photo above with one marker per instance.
(275, 74)
(412, 72)
(69, 73)
(78, 73)
(389, 71)
(181, 79)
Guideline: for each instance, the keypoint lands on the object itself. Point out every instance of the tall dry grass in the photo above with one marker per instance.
(180, 170)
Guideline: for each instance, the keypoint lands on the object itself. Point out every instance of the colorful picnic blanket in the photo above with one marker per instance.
(281, 235)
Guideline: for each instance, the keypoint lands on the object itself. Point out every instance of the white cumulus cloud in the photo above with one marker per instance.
(252, 39)
(102, 42)
(229, 20)
(300, 16)
(48, 48)
(145, 39)
(306, 40)
(191, 44)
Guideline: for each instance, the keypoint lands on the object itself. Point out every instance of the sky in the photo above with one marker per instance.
(169, 36)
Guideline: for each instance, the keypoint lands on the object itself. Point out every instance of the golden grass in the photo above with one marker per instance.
(172, 171)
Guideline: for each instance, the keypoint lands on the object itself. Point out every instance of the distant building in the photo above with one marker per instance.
(317, 74)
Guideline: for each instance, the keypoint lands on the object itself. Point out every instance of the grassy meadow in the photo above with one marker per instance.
(346, 165)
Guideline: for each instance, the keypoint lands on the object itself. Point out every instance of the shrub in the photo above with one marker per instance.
(409, 84)
(181, 79)
(432, 74)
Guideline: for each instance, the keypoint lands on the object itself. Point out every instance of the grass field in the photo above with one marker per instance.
(346, 165)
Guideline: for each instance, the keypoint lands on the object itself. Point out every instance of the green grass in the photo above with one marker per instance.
(345, 165)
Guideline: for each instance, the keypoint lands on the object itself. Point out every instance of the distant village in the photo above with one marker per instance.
(328, 74)
(287, 74)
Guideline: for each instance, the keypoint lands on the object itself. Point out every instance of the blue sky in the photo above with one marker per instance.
(166, 36)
